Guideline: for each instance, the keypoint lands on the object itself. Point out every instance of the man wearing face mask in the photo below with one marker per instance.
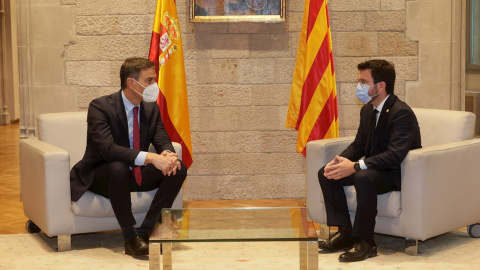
(388, 130)
(121, 127)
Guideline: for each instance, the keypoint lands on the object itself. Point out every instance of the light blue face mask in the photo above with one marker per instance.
(362, 93)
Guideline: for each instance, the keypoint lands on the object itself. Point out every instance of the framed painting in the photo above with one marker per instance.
(237, 10)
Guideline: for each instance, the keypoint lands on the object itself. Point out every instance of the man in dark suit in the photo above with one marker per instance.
(388, 130)
(121, 127)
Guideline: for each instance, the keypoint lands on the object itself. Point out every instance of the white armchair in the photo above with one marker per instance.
(440, 182)
(45, 165)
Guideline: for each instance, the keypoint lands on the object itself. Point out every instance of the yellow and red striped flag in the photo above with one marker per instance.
(167, 54)
(313, 109)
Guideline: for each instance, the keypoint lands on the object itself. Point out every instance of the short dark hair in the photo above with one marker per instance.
(382, 71)
(132, 67)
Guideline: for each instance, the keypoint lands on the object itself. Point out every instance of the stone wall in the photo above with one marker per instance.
(238, 78)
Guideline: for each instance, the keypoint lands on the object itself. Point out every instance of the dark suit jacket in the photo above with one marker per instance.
(107, 138)
(396, 133)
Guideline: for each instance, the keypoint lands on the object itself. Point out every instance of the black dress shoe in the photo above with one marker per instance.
(336, 242)
(360, 251)
(136, 247)
(145, 237)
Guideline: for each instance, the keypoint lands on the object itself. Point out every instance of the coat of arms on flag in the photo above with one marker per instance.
(170, 31)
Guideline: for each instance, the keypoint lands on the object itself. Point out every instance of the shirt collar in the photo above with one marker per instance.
(380, 106)
(128, 105)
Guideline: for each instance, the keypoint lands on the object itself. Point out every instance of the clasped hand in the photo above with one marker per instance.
(167, 162)
(339, 168)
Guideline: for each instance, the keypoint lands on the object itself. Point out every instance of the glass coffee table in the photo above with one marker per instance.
(252, 224)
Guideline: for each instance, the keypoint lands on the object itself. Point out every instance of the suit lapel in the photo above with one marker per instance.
(143, 125)
(120, 111)
(383, 118)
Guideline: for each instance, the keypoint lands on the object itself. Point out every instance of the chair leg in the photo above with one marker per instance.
(64, 242)
(324, 231)
(411, 246)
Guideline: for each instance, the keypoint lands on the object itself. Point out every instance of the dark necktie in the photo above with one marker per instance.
(372, 131)
(137, 170)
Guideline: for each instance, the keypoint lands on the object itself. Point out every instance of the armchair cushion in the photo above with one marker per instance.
(94, 205)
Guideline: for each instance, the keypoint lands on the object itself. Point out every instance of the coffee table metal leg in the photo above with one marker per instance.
(154, 256)
(312, 256)
(166, 257)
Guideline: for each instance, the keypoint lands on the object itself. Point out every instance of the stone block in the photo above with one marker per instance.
(346, 94)
(196, 46)
(111, 7)
(88, 73)
(429, 20)
(115, 73)
(295, 186)
(243, 142)
(255, 28)
(87, 94)
(395, 44)
(291, 163)
(258, 117)
(294, 21)
(435, 61)
(201, 187)
(183, 7)
(400, 89)
(356, 44)
(293, 40)
(347, 21)
(121, 47)
(271, 94)
(256, 71)
(190, 72)
(97, 25)
(217, 28)
(346, 68)
(47, 66)
(50, 99)
(56, 29)
(349, 117)
(282, 117)
(278, 141)
(135, 24)
(216, 164)
(406, 67)
(67, 2)
(229, 46)
(208, 142)
(284, 68)
(254, 163)
(295, 5)
(269, 45)
(432, 95)
(86, 48)
(385, 21)
(214, 118)
(218, 71)
(353, 5)
(220, 95)
(393, 4)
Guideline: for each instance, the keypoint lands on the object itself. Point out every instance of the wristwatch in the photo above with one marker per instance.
(356, 167)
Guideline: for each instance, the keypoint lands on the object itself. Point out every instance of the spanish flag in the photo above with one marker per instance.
(313, 109)
(167, 54)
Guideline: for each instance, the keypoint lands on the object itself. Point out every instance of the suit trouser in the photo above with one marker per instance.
(368, 183)
(115, 180)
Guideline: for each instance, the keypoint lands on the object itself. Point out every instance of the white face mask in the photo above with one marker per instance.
(150, 94)
(362, 93)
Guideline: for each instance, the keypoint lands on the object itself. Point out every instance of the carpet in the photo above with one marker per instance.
(455, 250)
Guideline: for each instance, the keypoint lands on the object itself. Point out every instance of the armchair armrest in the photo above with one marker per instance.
(319, 153)
(440, 186)
(45, 183)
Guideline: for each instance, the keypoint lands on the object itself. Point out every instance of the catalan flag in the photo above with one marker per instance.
(167, 54)
(313, 109)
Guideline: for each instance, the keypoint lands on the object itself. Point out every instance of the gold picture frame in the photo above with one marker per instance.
(271, 11)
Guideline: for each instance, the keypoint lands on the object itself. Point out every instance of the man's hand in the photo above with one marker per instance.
(339, 168)
(162, 162)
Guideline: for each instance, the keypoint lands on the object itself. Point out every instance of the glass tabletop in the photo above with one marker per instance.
(235, 224)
